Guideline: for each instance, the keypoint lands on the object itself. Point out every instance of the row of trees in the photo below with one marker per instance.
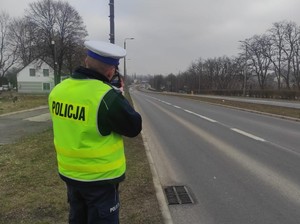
(54, 31)
(50, 30)
(267, 61)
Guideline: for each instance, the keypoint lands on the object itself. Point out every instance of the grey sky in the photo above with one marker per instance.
(171, 34)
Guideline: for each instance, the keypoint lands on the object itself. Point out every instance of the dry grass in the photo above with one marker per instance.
(32, 192)
(11, 101)
(281, 111)
(30, 189)
(137, 192)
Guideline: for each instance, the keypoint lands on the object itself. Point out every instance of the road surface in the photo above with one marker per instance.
(239, 167)
(16, 125)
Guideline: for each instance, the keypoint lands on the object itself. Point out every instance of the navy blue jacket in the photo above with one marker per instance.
(115, 113)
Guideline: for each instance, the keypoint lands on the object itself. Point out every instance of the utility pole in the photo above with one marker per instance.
(125, 72)
(245, 72)
(56, 76)
(245, 67)
(112, 21)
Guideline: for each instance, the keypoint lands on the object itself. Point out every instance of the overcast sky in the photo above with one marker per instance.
(171, 34)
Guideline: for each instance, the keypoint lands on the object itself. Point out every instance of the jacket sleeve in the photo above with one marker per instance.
(117, 115)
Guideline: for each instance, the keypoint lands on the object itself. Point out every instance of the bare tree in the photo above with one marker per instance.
(192, 77)
(158, 82)
(71, 33)
(60, 29)
(257, 49)
(296, 64)
(75, 55)
(195, 71)
(171, 82)
(291, 36)
(275, 52)
(227, 73)
(284, 53)
(276, 34)
(8, 55)
(24, 37)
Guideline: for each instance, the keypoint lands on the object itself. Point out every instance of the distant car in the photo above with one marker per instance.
(5, 87)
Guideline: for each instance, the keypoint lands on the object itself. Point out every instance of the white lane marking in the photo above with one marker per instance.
(201, 116)
(188, 111)
(39, 118)
(248, 134)
(214, 121)
(273, 179)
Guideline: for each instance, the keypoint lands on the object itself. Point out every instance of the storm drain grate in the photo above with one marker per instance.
(177, 195)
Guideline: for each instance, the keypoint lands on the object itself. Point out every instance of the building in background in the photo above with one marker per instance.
(36, 77)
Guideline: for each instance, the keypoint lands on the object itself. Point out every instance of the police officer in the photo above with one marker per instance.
(89, 118)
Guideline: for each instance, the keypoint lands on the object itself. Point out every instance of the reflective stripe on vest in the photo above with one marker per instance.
(92, 168)
(82, 153)
(89, 153)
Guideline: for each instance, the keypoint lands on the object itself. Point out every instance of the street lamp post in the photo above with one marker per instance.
(130, 38)
(245, 75)
(56, 81)
(245, 67)
(112, 21)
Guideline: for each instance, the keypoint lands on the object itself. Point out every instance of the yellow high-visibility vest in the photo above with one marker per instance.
(83, 154)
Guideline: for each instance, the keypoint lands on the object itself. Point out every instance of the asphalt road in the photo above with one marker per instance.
(13, 126)
(239, 167)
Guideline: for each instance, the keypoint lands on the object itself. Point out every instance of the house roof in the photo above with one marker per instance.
(34, 60)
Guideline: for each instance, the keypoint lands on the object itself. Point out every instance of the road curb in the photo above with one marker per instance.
(157, 185)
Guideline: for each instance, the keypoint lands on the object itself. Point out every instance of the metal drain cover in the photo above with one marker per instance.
(177, 195)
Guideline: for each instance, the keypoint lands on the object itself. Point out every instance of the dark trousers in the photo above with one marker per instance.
(93, 204)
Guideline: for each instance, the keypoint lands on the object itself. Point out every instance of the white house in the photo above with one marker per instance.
(37, 77)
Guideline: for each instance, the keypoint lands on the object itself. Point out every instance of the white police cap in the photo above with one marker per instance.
(105, 52)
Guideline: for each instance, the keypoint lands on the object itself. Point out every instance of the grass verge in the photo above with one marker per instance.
(138, 196)
(11, 101)
(32, 192)
(30, 189)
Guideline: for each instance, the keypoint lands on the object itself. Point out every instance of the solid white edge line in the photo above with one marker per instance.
(248, 134)
(157, 185)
